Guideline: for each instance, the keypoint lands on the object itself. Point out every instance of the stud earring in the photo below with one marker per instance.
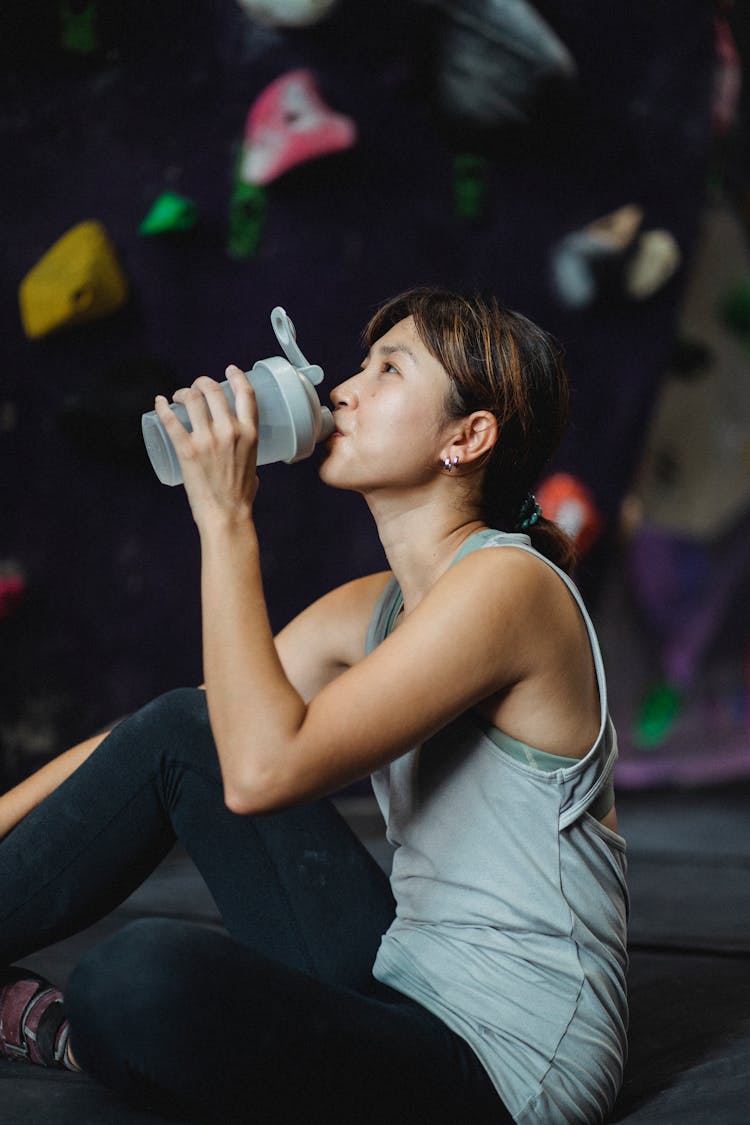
(447, 463)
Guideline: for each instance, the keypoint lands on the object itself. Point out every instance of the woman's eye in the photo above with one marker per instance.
(390, 368)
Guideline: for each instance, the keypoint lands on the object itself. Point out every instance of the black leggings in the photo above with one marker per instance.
(280, 1022)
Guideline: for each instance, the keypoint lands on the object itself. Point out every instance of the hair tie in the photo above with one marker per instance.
(529, 513)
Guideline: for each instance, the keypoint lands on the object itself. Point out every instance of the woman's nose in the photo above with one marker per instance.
(344, 395)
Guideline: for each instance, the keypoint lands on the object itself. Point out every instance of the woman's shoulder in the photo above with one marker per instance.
(505, 571)
(515, 590)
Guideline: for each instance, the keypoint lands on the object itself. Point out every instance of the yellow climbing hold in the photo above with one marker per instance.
(78, 279)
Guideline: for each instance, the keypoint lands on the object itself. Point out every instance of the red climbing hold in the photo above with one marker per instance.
(566, 501)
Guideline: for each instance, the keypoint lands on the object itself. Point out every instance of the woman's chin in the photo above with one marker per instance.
(328, 474)
(323, 467)
(336, 478)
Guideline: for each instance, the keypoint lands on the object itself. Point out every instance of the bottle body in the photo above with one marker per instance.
(290, 419)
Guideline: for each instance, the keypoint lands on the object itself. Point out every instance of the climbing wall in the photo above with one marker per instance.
(139, 117)
(676, 615)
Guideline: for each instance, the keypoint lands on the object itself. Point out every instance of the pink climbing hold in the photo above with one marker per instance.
(727, 78)
(12, 588)
(288, 124)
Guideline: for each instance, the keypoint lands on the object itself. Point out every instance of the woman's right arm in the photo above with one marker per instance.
(30, 792)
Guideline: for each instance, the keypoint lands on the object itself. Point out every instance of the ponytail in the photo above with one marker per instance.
(555, 544)
(546, 536)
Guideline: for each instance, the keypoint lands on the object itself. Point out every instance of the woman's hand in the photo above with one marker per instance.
(218, 459)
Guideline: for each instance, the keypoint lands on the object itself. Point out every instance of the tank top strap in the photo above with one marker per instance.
(491, 538)
(589, 780)
(386, 608)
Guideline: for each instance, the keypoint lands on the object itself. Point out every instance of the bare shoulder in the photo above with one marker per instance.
(513, 609)
(329, 636)
(510, 586)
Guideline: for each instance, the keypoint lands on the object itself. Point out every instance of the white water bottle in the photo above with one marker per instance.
(291, 420)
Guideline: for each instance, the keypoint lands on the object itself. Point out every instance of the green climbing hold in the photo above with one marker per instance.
(659, 710)
(247, 214)
(170, 212)
(469, 185)
(735, 309)
(78, 26)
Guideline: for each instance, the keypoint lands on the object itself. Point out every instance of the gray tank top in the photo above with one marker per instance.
(511, 901)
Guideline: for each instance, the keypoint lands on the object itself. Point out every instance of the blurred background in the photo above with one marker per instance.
(587, 162)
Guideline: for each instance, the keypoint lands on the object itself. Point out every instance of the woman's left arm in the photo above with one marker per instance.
(275, 749)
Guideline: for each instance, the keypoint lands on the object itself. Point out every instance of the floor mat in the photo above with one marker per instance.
(689, 1041)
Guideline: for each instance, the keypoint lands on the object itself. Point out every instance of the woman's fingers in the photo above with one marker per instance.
(205, 400)
(218, 457)
(214, 399)
(208, 408)
(194, 401)
(170, 421)
(246, 406)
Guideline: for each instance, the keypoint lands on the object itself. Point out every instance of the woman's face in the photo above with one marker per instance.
(390, 417)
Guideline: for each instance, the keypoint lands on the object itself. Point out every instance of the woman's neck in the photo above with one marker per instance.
(420, 543)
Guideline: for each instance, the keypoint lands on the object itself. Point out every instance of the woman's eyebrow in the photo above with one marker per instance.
(391, 349)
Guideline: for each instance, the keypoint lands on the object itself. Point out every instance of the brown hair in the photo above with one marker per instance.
(496, 360)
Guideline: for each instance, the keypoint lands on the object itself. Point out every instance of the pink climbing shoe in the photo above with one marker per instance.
(289, 123)
(32, 1021)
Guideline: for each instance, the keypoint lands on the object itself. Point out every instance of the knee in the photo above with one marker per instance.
(123, 990)
(174, 722)
(182, 709)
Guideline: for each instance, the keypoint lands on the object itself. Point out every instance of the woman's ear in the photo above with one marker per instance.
(475, 439)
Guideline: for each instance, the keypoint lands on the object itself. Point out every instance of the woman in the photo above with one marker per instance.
(486, 983)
